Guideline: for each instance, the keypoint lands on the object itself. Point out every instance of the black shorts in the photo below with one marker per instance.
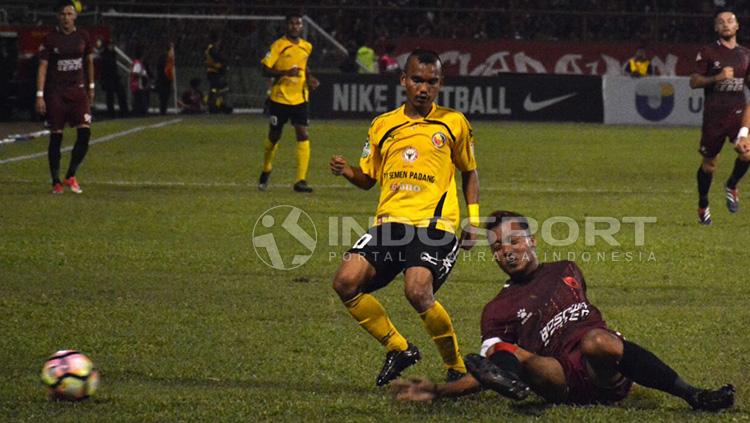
(714, 132)
(394, 247)
(279, 114)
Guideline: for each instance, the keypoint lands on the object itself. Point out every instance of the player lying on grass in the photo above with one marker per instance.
(542, 334)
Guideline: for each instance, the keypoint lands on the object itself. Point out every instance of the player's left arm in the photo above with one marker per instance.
(421, 389)
(312, 82)
(463, 156)
(90, 77)
(742, 141)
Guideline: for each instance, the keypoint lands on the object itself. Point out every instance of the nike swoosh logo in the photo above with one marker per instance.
(532, 106)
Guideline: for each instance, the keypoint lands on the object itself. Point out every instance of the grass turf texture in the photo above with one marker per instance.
(152, 273)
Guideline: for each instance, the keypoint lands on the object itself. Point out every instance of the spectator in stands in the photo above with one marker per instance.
(387, 62)
(109, 77)
(639, 65)
(139, 84)
(192, 99)
(165, 77)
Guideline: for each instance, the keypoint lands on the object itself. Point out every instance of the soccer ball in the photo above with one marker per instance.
(69, 375)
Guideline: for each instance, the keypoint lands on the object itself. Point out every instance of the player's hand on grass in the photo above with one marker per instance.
(468, 237)
(40, 106)
(726, 73)
(414, 389)
(338, 165)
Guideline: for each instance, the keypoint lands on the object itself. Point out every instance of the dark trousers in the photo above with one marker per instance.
(114, 89)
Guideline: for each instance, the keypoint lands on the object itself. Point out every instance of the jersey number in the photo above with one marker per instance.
(362, 241)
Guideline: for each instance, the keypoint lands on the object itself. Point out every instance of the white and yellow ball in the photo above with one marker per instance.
(70, 375)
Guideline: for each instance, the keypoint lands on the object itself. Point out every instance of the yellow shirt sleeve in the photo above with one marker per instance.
(272, 56)
(463, 148)
(371, 160)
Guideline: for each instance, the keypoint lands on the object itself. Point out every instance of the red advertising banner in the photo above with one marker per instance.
(30, 37)
(487, 58)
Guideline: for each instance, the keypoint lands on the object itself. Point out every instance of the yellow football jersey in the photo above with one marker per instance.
(414, 160)
(283, 55)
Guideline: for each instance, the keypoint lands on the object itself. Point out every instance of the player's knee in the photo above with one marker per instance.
(345, 286)
(709, 166)
(419, 295)
(599, 343)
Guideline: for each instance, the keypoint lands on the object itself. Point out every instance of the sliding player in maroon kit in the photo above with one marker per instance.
(61, 92)
(541, 332)
(722, 70)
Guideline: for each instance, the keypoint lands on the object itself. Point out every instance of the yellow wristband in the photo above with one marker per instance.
(474, 214)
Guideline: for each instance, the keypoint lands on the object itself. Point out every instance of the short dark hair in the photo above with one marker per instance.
(424, 56)
(60, 5)
(721, 10)
(496, 218)
(293, 15)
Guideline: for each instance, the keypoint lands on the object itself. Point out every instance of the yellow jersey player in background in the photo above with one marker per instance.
(286, 63)
(412, 152)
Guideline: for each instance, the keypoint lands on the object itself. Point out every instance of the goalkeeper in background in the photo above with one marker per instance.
(216, 71)
(286, 63)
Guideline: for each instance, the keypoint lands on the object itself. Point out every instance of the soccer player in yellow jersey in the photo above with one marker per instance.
(286, 63)
(412, 152)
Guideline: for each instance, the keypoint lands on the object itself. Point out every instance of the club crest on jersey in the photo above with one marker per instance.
(439, 139)
(366, 149)
(410, 154)
(571, 282)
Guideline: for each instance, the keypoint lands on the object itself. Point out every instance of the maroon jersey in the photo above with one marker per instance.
(544, 314)
(66, 54)
(724, 97)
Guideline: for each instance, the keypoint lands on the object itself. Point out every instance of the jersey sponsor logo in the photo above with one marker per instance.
(410, 175)
(654, 100)
(730, 85)
(410, 154)
(405, 187)
(571, 282)
(439, 139)
(532, 106)
(366, 149)
(68, 65)
(574, 313)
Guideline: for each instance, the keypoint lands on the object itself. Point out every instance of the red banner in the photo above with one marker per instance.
(30, 37)
(487, 58)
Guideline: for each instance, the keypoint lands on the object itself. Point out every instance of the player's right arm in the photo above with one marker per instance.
(424, 390)
(269, 62)
(700, 77)
(41, 79)
(340, 167)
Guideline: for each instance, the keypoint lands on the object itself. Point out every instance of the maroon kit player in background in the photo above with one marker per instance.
(542, 332)
(722, 70)
(61, 91)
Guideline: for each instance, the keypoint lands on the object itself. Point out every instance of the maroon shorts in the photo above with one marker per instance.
(581, 388)
(69, 106)
(716, 131)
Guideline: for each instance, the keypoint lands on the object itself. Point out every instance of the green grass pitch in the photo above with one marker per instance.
(152, 272)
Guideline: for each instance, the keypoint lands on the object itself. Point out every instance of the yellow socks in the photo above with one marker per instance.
(370, 314)
(269, 152)
(438, 324)
(303, 159)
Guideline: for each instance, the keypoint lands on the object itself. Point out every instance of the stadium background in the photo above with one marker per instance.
(152, 271)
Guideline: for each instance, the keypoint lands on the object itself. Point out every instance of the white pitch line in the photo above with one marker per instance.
(99, 140)
(170, 184)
